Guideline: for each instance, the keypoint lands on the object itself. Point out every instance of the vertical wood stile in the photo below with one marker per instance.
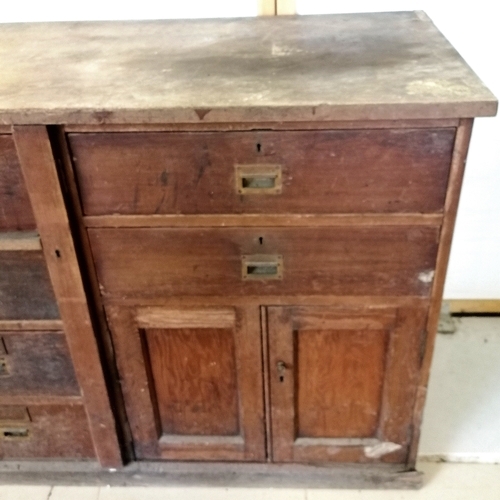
(40, 174)
(286, 7)
(266, 7)
(459, 157)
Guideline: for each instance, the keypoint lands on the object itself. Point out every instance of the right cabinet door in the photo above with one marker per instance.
(343, 382)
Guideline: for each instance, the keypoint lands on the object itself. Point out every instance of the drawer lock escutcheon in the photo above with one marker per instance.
(258, 179)
(262, 267)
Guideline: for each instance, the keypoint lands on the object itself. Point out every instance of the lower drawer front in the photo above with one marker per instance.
(36, 363)
(25, 288)
(158, 262)
(45, 431)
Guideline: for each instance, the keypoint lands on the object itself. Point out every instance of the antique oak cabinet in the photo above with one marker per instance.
(224, 244)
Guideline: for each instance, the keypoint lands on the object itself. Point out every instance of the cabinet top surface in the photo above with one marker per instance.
(312, 68)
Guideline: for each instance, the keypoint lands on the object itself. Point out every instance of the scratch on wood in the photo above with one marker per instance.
(381, 449)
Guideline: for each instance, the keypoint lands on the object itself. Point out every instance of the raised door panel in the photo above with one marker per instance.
(342, 382)
(192, 381)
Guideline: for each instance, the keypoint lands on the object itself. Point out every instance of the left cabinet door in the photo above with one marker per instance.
(192, 381)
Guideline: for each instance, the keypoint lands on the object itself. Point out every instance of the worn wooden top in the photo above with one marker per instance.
(335, 67)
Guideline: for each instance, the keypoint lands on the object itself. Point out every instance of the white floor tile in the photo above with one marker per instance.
(152, 493)
(462, 413)
(14, 492)
(74, 493)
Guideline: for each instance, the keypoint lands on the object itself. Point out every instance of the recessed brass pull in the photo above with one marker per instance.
(4, 367)
(258, 179)
(262, 267)
(14, 433)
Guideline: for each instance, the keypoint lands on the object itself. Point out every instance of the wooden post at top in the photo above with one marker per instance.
(267, 7)
(277, 7)
(286, 7)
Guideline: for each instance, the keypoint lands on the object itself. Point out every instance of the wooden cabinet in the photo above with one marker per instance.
(245, 227)
(342, 381)
(192, 380)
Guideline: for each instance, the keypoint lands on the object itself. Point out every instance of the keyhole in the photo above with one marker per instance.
(282, 379)
(58, 254)
(261, 240)
(259, 147)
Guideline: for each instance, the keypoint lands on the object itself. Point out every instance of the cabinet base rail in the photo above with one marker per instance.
(216, 474)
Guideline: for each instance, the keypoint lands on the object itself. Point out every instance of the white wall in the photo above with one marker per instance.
(471, 27)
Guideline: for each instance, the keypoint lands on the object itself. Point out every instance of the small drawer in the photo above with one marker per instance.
(25, 287)
(159, 262)
(325, 171)
(44, 431)
(15, 207)
(36, 363)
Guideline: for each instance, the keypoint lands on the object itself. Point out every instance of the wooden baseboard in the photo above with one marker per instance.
(473, 306)
(88, 473)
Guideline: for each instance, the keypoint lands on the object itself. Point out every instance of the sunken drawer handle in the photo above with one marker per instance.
(258, 179)
(262, 267)
(15, 433)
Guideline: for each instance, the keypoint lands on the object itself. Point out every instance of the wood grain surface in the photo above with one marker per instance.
(25, 288)
(154, 263)
(280, 68)
(194, 374)
(42, 181)
(398, 171)
(53, 431)
(15, 208)
(36, 363)
(343, 394)
(192, 393)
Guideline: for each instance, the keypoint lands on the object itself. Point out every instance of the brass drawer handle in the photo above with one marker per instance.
(4, 367)
(14, 433)
(262, 267)
(258, 179)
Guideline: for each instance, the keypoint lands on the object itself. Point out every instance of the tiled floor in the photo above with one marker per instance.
(462, 423)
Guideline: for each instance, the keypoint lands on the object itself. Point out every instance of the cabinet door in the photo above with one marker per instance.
(192, 381)
(343, 382)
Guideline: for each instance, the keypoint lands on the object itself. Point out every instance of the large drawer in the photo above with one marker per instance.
(15, 207)
(36, 363)
(44, 431)
(25, 287)
(333, 171)
(157, 262)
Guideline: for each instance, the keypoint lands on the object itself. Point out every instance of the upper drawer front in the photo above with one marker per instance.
(15, 207)
(25, 287)
(337, 171)
(36, 363)
(157, 263)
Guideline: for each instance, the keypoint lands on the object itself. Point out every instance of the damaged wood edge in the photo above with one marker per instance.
(40, 174)
(450, 212)
(40, 400)
(20, 241)
(249, 126)
(266, 220)
(37, 325)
